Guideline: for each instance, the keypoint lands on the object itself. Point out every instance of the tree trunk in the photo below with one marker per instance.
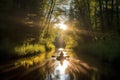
(117, 11)
(89, 17)
(101, 14)
(112, 5)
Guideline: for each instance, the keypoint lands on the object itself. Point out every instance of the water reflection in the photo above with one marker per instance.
(60, 71)
(50, 69)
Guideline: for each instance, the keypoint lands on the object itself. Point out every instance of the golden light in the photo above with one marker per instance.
(60, 49)
(63, 26)
(63, 67)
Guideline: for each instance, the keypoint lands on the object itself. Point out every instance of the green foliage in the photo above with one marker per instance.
(47, 38)
(20, 28)
(102, 15)
(29, 49)
(70, 42)
(108, 49)
(50, 46)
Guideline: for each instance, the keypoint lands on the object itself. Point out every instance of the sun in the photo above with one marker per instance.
(63, 26)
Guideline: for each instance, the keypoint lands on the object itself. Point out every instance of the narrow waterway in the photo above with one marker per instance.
(71, 69)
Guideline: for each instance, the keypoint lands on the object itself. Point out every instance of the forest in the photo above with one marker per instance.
(30, 33)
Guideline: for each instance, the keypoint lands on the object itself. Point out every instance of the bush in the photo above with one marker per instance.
(50, 47)
(29, 49)
(108, 49)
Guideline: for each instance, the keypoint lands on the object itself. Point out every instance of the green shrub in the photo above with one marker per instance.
(108, 49)
(50, 47)
(29, 49)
